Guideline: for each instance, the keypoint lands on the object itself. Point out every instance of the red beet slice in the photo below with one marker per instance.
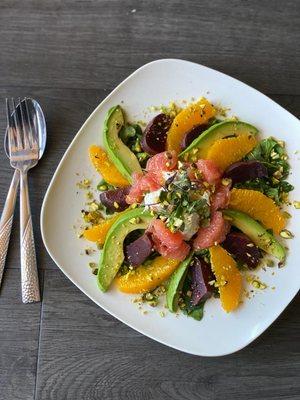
(201, 276)
(155, 134)
(137, 251)
(191, 135)
(115, 200)
(243, 249)
(242, 171)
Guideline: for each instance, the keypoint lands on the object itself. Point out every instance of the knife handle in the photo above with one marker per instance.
(7, 219)
(29, 273)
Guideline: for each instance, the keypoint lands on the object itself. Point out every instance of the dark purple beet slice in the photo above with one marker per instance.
(242, 248)
(137, 251)
(191, 135)
(115, 200)
(201, 276)
(242, 171)
(155, 134)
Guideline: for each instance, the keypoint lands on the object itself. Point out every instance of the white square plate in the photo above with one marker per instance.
(158, 83)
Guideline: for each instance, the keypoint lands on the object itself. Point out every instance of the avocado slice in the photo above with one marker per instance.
(118, 152)
(257, 233)
(112, 254)
(176, 283)
(218, 131)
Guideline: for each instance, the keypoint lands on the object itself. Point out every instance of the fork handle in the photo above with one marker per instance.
(29, 274)
(7, 219)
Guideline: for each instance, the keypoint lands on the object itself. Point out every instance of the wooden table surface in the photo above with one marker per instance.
(69, 55)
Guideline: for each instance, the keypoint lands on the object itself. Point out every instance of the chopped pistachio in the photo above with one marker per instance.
(93, 206)
(102, 187)
(149, 296)
(287, 215)
(274, 155)
(256, 284)
(277, 174)
(296, 204)
(134, 220)
(281, 143)
(84, 184)
(89, 195)
(270, 263)
(226, 181)
(286, 234)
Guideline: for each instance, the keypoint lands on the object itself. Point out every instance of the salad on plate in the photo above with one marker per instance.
(187, 206)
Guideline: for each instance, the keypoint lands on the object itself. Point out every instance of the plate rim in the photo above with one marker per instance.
(56, 173)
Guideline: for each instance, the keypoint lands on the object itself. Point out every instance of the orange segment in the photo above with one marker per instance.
(105, 167)
(195, 114)
(259, 207)
(229, 278)
(97, 233)
(225, 152)
(147, 277)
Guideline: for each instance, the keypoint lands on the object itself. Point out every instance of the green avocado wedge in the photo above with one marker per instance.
(123, 158)
(176, 283)
(216, 132)
(257, 233)
(112, 255)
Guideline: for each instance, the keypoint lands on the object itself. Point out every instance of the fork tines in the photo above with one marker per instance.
(19, 125)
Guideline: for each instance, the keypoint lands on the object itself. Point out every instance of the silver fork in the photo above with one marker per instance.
(24, 154)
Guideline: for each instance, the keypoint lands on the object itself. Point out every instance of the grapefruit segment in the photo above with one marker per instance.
(167, 243)
(213, 234)
(160, 163)
(209, 170)
(142, 183)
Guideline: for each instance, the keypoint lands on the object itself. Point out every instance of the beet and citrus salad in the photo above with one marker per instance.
(186, 206)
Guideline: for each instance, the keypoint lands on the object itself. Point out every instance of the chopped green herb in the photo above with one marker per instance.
(273, 155)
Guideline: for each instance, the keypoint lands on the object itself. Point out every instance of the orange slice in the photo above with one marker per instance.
(259, 207)
(147, 277)
(195, 114)
(229, 278)
(225, 152)
(97, 233)
(106, 168)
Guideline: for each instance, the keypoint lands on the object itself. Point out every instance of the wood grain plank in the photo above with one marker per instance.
(93, 44)
(87, 354)
(19, 334)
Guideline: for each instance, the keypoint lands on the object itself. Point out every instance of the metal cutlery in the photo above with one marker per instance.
(24, 144)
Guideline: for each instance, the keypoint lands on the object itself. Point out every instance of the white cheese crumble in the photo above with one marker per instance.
(151, 199)
(191, 225)
(168, 174)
